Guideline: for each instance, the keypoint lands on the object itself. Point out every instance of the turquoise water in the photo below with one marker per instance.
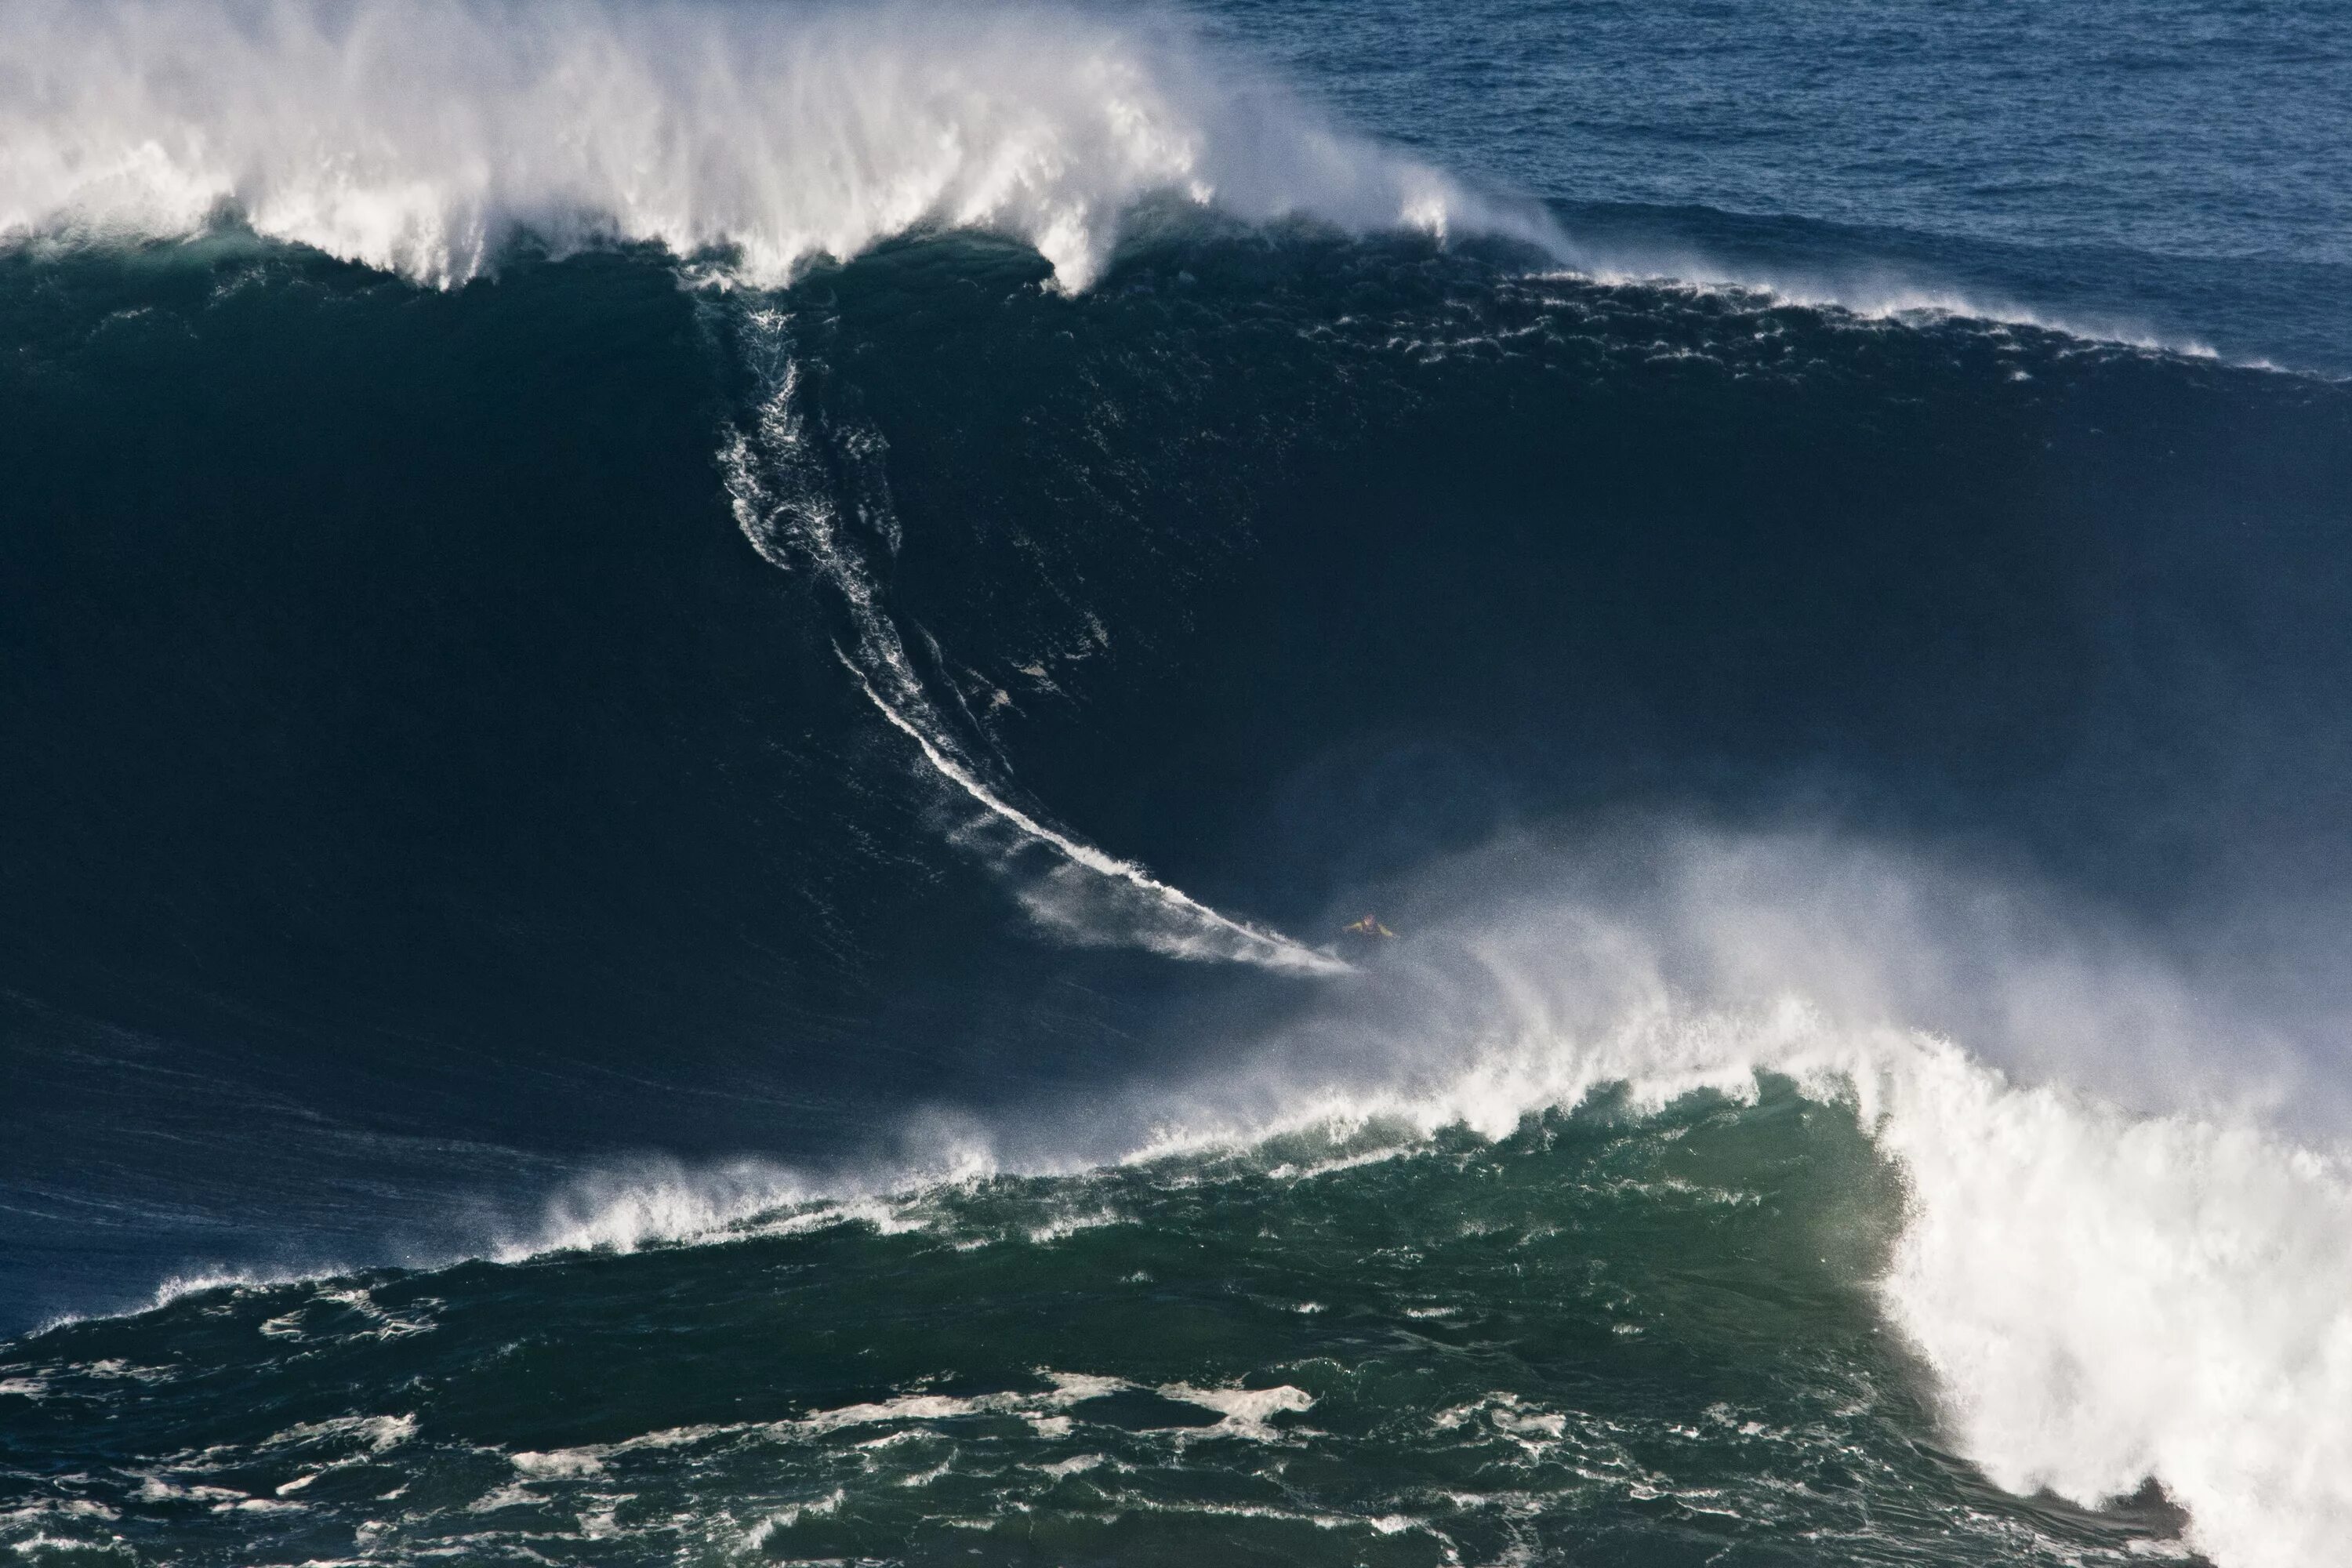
(1608, 1337)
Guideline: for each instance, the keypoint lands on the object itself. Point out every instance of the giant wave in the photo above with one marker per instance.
(675, 695)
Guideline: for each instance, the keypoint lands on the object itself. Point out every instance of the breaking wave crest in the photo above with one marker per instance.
(422, 139)
(2104, 1297)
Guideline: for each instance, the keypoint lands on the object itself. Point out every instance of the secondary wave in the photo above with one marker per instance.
(2104, 1297)
(422, 139)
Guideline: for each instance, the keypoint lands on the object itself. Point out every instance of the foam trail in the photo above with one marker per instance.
(2102, 1297)
(423, 137)
(1260, 946)
(799, 511)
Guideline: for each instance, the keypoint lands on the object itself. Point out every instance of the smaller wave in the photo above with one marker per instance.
(2105, 1296)
(423, 138)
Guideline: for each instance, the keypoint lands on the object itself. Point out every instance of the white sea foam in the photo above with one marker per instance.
(785, 1518)
(2105, 1296)
(2109, 1299)
(420, 137)
(370, 1434)
(1246, 1412)
(560, 1464)
(624, 1206)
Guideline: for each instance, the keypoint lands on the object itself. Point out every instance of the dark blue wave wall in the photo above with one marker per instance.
(414, 781)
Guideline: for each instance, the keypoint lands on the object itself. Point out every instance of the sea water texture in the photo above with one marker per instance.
(692, 696)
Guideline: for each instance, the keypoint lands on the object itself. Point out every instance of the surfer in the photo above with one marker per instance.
(1370, 926)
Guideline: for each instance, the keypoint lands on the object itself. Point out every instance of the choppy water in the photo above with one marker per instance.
(1607, 1338)
(692, 698)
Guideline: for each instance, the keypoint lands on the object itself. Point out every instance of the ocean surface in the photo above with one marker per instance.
(695, 699)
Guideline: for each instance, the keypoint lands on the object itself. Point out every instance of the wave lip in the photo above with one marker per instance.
(421, 139)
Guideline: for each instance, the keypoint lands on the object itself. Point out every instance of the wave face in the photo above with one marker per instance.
(693, 699)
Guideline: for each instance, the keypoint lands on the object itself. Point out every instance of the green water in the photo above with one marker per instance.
(1607, 1339)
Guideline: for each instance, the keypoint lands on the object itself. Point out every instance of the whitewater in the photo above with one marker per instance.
(2106, 1296)
(776, 134)
(755, 140)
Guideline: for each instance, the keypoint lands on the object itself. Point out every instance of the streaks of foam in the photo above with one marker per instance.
(800, 515)
(1244, 1412)
(1195, 932)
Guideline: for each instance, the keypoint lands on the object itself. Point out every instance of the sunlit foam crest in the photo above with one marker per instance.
(422, 137)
